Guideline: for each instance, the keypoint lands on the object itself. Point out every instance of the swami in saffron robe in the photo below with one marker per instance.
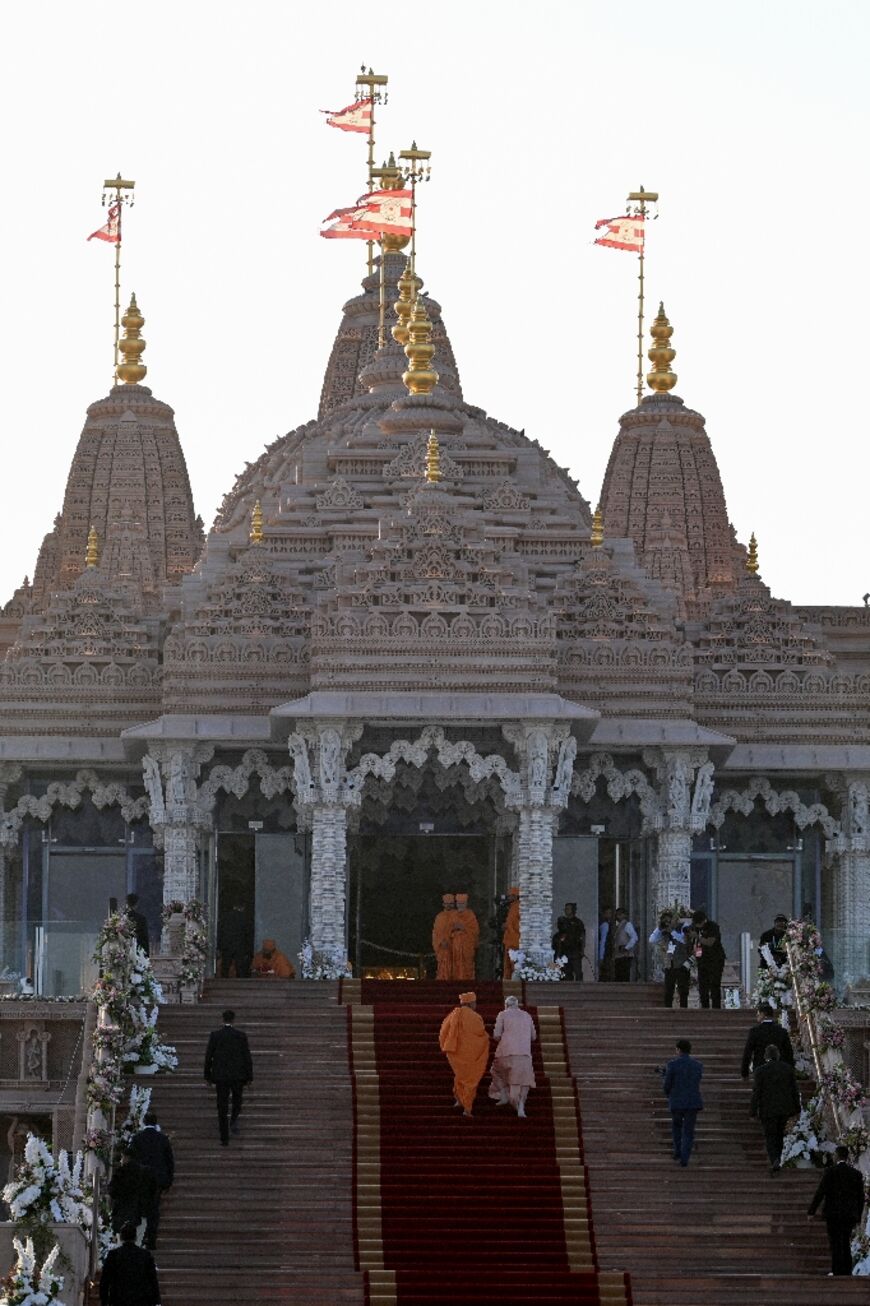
(441, 939)
(464, 1039)
(464, 938)
(511, 936)
(272, 962)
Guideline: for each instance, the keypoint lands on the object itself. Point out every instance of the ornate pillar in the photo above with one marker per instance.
(323, 797)
(682, 811)
(538, 796)
(178, 819)
(10, 772)
(850, 941)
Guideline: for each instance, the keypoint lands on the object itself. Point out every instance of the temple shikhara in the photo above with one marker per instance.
(406, 657)
(410, 659)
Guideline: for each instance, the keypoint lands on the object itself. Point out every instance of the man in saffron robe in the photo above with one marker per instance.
(441, 938)
(464, 937)
(272, 962)
(511, 936)
(465, 1041)
(512, 1071)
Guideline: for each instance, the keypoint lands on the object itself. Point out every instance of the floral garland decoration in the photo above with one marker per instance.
(532, 973)
(194, 948)
(319, 966)
(140, 1105)
(45, 1191)
(25, 1285)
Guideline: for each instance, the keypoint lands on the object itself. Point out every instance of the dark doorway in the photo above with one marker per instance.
(396, 883)
(235, 858)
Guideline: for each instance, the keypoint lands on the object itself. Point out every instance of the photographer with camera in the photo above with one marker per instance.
(670, 936)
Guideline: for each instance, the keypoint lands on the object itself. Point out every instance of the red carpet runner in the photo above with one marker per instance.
(491, 1210)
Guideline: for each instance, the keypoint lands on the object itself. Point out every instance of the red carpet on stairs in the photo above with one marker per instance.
(488, 1210)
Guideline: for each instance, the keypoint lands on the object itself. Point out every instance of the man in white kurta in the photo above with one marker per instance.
(512, 1072)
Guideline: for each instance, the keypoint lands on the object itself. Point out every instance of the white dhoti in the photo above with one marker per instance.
(512, 1077)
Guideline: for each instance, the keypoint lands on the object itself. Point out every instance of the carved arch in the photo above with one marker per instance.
(416, 753)
(620, 784)
(775, 801)
(237, 779)
(68, 793)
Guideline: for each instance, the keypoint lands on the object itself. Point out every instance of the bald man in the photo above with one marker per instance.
(441, 935)
(464, 1040)
(464, 937)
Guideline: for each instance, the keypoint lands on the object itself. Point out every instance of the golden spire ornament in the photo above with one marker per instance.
(661, 378)
(421, 377)
(597, 535)
(752, 556)
(132, 370)
(256, 535)
(92, 553)
(409, 284)
(433, 460)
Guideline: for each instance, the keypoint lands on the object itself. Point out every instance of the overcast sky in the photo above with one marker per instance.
(750, 118)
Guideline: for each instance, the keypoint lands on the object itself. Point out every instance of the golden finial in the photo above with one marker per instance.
(404, 305)
(661, 378)
(597, 536)
(433, 459)
(421, 377)
(92, 553)
(752, 556)
(391, 177)
(256, 535)
(132, 370)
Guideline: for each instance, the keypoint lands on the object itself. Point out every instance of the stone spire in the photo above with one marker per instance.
(128, 483)
(662, 489)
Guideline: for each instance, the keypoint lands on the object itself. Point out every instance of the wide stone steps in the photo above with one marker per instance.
(687, 1237)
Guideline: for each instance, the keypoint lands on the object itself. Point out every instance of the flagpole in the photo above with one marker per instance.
(390, 178)
(118, 185)
(366, 84)
(416, 168)
(640, 198)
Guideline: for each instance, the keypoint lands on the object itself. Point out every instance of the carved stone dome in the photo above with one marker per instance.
(662, 490)
(129, 481)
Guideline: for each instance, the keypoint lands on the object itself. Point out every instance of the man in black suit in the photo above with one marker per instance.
(775, 1098)
(710, 957)
(152, 1149)
(775, 939)
(129, 1276)
(682, 1087)
(767, 1031)
(228, 1067)
(842, 1191)
(132, 1192)
(140, 924)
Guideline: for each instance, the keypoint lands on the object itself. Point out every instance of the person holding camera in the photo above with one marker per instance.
(670, 937)
(710, 959)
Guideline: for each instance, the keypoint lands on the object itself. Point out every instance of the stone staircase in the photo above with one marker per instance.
(268, 1219)
(723, 1232)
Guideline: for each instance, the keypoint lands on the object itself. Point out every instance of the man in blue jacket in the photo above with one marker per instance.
(682, 1086)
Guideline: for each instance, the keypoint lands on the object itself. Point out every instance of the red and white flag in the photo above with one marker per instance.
(344, 228)
(386, 211)
(356, 117)
(112, 230)
(622, 233)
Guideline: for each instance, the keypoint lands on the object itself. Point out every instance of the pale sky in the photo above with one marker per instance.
(750, 118)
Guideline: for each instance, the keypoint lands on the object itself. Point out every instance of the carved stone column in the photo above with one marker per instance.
(10, 772)
(323, 798)
(682, 811)
(179, 821)
(538, 798)
(849, 942)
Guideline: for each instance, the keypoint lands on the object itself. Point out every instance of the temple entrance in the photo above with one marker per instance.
(265, 874)
(396, 883)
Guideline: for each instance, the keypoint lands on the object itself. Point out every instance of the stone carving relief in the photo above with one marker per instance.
(339, 494)
(237, 779)
(506, 498)
(775, 801)
(620, 784)
(33, 1041)
(68, 793)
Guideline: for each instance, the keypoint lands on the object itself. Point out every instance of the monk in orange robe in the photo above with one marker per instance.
(272, 962)
(511, 936)
(441, 938)
(464, 938)
(464, 1039)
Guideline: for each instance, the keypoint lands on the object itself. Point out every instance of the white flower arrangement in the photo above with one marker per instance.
(45, 1191)
(140, 1104)
(533, 973)
(773, 985)
(802, 1142)
(144, 1047)
(319, 966)
(24, 1285)
(861, 1251)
